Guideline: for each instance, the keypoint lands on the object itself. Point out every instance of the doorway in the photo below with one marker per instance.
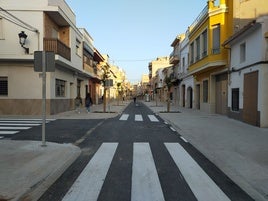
(250, 106)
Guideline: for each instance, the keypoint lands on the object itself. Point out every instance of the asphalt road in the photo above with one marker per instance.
(133, 157)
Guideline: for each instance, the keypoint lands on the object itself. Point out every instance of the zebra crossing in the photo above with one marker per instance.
(145, 184)
(9, 127)
(139, 117)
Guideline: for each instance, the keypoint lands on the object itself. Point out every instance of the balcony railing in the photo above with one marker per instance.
(174, 59)
(200, 17)
(55, 45)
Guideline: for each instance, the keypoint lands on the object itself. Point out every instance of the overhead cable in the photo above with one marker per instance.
(8, 16)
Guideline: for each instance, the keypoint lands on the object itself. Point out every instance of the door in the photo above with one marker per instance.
(221, 94)
(190, 97)
(183, 95)
(197, 99)
(250, 106)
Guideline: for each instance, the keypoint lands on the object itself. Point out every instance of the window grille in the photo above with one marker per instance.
(60, 88)
(235, 99)
(3, 86)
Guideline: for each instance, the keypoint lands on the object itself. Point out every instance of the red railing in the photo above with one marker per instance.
(55, 45)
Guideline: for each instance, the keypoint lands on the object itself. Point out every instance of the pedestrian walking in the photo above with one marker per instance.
(78, 103)
(88, 102)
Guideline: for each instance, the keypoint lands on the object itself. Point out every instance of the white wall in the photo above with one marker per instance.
(10, 46)
(256, 47)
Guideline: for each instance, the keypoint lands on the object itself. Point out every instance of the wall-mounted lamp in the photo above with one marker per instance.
(22, 37)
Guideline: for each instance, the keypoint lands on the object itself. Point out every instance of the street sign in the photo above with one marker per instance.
(49, 64)
(44, 62)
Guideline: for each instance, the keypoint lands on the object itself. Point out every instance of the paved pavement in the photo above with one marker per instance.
(238, 149)
(27, 169)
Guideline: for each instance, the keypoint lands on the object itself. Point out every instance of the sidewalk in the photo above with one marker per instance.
(96, 111)
(27, 169)
(238, 149)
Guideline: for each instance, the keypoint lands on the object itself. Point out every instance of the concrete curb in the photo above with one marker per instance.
(38, 189)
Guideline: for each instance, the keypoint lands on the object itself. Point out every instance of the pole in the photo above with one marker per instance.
(43, 99)
(109, 97)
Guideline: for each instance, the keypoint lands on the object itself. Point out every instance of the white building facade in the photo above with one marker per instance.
(186, 85)
(248, 74)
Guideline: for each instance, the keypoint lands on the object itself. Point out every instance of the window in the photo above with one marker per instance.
(205, 91)
(216, 39)
(183, 61)
(78, 47)
(60, 88)
(78, 88)
(242, 52)
(235, 99)
(204, 43)
(191, 53)
(197, 49)
(3, 86)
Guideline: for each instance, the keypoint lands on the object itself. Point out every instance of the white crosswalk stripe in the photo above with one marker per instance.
(10, 127)
(124, 117)
(8, 132)
(145, 183)
(88, 185)
(200, 183)
(153, 118)
(138, 117)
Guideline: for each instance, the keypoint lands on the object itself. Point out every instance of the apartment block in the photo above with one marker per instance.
(49, 25)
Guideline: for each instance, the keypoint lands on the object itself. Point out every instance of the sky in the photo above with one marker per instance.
(135, 32)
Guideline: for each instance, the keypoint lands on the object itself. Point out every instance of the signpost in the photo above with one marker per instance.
(44, 62)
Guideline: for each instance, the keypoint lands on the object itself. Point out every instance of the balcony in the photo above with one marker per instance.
(200, 17)
(55, 45)
(174, 58)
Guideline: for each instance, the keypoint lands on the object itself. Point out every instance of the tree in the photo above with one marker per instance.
(168, 83)
(105, 76)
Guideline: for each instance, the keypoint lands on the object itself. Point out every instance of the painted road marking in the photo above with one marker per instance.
(153, 118)
(172, 128)
(145, 181)
(138, 117)
(124, 117)
(18, 124)
(14, 128)
(8, 132)
(203, 187)
(21, 120)
(184, 139)
(88, 185)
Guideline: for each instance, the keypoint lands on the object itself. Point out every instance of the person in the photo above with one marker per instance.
(78, 103)
(88, 102)
(134, 99)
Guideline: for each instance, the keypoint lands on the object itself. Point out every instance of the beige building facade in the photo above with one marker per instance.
(50, 25)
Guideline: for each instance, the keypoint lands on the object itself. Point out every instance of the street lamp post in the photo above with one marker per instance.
(22, 40)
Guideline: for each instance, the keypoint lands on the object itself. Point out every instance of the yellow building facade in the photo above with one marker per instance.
(208, 59)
